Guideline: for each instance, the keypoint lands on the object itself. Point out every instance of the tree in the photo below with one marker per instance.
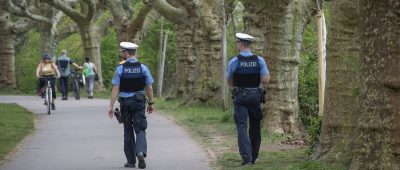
(378, 139)
(126, 25)
(279, 27)
(198, 46)
(8, 31)
(342, 88)
(90, 31)
(9, 28)
(48, 19)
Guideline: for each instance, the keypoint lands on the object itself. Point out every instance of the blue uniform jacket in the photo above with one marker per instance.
(118, 71)
(232, 65)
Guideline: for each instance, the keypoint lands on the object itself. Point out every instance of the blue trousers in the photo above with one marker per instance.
(64, 86)
(247, 108)
(135, 122)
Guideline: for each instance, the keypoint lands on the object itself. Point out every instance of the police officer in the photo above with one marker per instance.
(245, 72)
(130, 81)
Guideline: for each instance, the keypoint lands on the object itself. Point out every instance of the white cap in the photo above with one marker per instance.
(244, 37)
(128, 46)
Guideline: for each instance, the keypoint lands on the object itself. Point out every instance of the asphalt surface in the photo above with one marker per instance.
(80, 135)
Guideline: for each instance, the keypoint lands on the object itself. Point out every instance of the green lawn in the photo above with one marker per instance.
(215, 130)
(15, 123)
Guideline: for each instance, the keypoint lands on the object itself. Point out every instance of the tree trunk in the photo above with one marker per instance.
(342, 88)
(252, 18)
(162, 65)
(185, 61)
(160, 52)
(48, 30)
(91, 47)
(7, 52)
(279, 26)
(378, 144)
(198, 62)
(47, 44)
(224, 84)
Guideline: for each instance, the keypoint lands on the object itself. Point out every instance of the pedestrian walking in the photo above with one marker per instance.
(64, 66)
(89, 70)
(245, 73)
(131, 81)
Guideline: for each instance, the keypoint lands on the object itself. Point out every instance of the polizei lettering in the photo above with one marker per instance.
(248, 64)
(132, 70)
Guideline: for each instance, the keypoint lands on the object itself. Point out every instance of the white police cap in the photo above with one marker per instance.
(128, 46)
(244, 37)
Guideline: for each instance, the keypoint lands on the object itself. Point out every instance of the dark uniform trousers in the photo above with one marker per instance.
(247, 106)
(133, 111)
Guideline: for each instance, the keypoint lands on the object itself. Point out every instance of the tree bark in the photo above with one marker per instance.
(378, 142)
(162, 66)
(7, 52)
(279, 27)
(89, 31)
(91, 47)
(198, 38)
(342, 88)
(48, 30)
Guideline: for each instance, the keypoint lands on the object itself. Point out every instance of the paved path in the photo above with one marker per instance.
(79, 135)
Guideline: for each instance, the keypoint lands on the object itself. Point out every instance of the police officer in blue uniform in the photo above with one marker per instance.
(245, 73)
(131, 80)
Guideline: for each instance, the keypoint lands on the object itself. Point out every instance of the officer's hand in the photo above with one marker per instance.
(110, 112)
(150, 109)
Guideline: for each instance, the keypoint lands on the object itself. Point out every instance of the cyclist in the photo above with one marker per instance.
(47, 70)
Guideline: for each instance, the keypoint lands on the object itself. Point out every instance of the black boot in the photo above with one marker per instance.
(142, 163)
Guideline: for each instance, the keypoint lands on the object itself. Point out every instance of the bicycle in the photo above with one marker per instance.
(75, 85)
(48, 99)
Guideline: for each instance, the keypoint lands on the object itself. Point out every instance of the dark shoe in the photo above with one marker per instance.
(246, 163)
(64, 98)
(142, 163)
(129, 165)
(90, 97)
(45, 102)
(53, 106)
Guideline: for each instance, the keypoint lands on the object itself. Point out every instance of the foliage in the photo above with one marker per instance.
(148, 52)
(15, 123)
(109, 57)
(308, 86)
(26, 62)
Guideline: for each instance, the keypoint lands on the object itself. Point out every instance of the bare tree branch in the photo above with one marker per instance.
(66, 32)
(117, 10)
(91, 8)
(174, 14)
(22, 25)
(137, 22)
(72, 13)
(103, 28)
(22, 10)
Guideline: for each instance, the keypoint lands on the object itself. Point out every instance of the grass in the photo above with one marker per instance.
(216, 131)
(15, 123)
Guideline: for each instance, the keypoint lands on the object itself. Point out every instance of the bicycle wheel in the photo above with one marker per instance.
(48, 98)
(76, 89)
